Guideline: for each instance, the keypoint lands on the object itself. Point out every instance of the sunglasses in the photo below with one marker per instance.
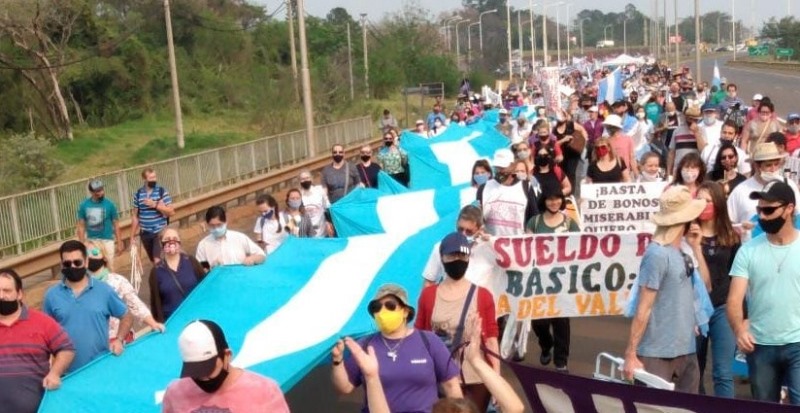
(467, 232)
(167, 241)
(72, 264)
(376, 306)
(768, 210)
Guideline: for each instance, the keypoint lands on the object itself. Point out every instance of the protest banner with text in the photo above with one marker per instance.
(619, 207)
(561, 275)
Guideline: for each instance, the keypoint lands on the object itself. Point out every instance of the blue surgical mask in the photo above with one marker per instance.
(220, 231)
(294, 203)
(480, 179)
(470, 238)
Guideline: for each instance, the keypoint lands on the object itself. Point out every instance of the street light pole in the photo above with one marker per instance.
(469, 45)
(308, 110)
(508, 39)
(480, 26)
(569, 37)
(697, 41)
(605, 36)
(173, 72)
(677, 33)
(558, 35)
(733, 27)
(366, 53)
(293, 49)
(458, 43)
(533, 37)
(519, 37)
(625, 35)
(349, 60)
(581, 23)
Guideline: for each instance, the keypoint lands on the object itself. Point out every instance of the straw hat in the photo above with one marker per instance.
(767, 151)
(677, 207)
(693, 112)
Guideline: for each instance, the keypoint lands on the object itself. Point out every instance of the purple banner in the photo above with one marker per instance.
(549, 391)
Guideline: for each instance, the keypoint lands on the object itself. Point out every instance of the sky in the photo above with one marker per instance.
(749, 11)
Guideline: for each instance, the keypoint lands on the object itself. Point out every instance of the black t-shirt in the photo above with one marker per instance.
(719, 260)
(612, 176)
(369, 175)
(569, 130)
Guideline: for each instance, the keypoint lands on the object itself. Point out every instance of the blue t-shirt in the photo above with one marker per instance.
(150, 220)
(85, 317)
(99, 217)
(773, 295)
(411, 382)
(670, 329)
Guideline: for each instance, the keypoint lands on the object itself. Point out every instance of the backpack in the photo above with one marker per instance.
(160, 197)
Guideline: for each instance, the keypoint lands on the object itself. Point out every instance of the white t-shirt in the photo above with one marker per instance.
(711, 132)
(268, 228)
(231, 249)
(316, 202)
(504, 208)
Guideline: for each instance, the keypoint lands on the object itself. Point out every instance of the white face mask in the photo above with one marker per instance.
(770, 176)
(689, 175)
(648, 177)
(640, 116)
(709, 119)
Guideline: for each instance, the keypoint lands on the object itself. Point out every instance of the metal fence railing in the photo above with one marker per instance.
(33, 219)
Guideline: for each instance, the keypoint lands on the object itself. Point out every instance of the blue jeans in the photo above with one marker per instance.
(772, 366)
(723, 349)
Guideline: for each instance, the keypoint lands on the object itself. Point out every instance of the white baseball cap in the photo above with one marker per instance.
(503, 158)
(758, 96)
(200, 343)
(593, 108)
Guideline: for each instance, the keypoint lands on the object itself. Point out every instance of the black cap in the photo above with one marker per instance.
(775, 191)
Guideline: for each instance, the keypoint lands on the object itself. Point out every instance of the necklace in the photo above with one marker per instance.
(392, 350)
(785, 256)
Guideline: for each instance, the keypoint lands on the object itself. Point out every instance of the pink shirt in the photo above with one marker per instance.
(623, 148)
(249, 393)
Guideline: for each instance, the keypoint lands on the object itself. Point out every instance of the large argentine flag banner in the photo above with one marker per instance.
(447, 159)
(609, 89)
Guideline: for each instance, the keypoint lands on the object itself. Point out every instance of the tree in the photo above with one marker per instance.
(786, 31)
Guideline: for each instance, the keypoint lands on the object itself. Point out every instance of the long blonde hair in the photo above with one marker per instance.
(600, 142)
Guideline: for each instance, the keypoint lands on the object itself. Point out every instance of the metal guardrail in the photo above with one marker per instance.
(34, 219)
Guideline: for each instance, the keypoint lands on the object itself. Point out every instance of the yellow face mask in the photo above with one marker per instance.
(389, 321)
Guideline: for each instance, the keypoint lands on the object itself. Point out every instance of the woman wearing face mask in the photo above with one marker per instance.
(642, 134)
(605, 167)
(446, 308)
(96, 268)
(395, 346)
(437, 129)
(549, 175)
(481, 172)
(544, 139)
(297, 221)
(555, 345)
(571, 138)
(725, 172)
(523, 153)
(691, 173)
(719, 244)
(394, 160)
(757, 130)
(173, 278)
(269, 224)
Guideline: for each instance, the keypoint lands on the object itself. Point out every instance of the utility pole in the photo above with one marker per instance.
(677, 33)
(569, 37)
(308, 110)
(292, 49)
(733, 27)
(519, 36)
(508, 39)
(533, 38)
(173, 72)
(697, 32)
(366, 53)
(350, 62)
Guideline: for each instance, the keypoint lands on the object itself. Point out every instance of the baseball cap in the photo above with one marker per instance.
(95, 185)
(503, 111)
(775, 191)
(758, 96)
(793, 116)
(593, 108)
(454, 243)
(200, 343)
(708, 106)
(503, 158)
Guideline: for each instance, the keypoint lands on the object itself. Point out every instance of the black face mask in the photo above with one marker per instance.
(456, 269)
(500, 177)
(338, 158)
(74, 274)
(151, 184)
(772, 226)
(542, 160)
(95, 264)
(305, 184)
(387, 143)
(364, 158)
(212, 385)
(8, 307)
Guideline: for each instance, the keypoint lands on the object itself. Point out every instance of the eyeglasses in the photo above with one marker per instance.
(376, 306)
(467, 232)
(768, 210)
(338, 152)
(167, 241)
(72, 263)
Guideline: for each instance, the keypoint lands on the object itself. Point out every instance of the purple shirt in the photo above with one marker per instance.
(411, 382)
(594, 129)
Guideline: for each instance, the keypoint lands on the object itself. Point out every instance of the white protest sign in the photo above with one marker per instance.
(619, 207)
(549, 84)
(561, 275)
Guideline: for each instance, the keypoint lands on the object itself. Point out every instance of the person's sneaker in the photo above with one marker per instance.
(562, 369)
(545, 358)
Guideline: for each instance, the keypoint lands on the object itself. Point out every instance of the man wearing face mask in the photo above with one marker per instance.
(793, 134)
(445, 309)
(710, 127)
(340, 177)
(226, 247)
(152, 207)
(435, 115)
(316, 202)
(83, 307)
(367, 169)
(28, 341)
(98, 222)
(469, 223)
(503, 125)
(767, 166)
(507, 202)
(766, 270)
(209, 383)
(99, 271)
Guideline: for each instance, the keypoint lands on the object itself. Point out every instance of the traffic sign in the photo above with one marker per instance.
(784, 52)
(762, 50)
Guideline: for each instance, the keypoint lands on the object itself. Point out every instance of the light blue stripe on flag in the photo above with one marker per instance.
(609, 89)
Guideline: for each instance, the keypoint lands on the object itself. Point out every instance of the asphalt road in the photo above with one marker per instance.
(782, 87)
